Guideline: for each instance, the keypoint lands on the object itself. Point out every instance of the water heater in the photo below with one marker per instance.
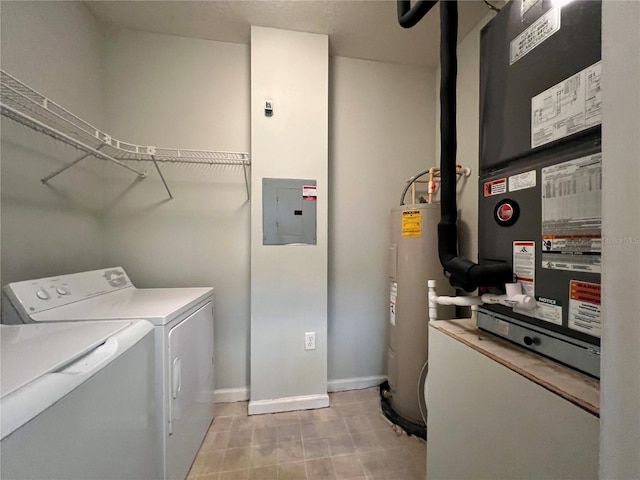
(413, 261)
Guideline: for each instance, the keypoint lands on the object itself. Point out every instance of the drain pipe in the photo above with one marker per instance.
(462, 273)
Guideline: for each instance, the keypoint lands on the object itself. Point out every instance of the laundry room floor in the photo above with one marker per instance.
(349, 440)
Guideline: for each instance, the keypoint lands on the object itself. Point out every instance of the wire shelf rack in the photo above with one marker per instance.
(21, 103)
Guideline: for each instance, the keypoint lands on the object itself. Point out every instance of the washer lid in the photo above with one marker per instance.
(32, 351)
(157, 305)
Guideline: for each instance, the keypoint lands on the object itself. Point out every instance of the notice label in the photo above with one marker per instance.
(392, 302)
(584, 307)
(524, 265)
(548, 310)
(412, 223)
(522, 181)
(309, 192)
(495, 187)
(568, 107)
(538, 32)
(572, 215)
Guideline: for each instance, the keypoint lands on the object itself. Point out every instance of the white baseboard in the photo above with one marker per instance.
(241, 394)
(288, 404)
(355, 383)
(223, 395)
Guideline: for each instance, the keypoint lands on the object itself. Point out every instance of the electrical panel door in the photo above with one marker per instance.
(288, 211)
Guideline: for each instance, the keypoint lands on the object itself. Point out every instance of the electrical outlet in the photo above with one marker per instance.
(310, 340)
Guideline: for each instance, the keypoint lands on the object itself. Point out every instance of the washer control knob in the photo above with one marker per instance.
(63, 291)
(42, 294)
(531, 341)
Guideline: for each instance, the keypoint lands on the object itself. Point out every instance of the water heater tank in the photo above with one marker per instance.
(413, 260)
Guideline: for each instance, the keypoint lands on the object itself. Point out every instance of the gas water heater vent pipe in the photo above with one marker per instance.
(462, 272)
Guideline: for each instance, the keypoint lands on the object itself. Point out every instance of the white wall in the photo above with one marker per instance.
(381, 133)
(170, 91)
(620, 367)
(49, 230)
(289, 282)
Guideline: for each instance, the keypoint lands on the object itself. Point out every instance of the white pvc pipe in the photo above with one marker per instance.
(514, 299)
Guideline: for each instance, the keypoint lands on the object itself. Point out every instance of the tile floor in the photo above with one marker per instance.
(349, 440)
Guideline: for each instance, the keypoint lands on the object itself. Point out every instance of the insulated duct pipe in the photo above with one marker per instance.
(408, 17)
(462, 273)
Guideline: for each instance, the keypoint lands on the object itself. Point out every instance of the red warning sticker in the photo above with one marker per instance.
(584, 307)
(495, 187)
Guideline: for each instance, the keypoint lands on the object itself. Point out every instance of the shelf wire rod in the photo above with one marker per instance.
(46, 179)
(52, 132)
(153, 158)
(239, 162)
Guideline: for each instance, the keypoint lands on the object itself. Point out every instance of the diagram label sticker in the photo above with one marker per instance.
(538, 32)
(584, 307)
(412, 223)
(495, 187)
(522, 181)
(524, 265)
(572, 215)
(568, 107)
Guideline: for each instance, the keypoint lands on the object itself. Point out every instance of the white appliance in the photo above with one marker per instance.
(77, 401)
(183, 325)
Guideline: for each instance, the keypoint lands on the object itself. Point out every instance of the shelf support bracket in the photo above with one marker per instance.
(153, 159)
(46, 179)
(245, 167)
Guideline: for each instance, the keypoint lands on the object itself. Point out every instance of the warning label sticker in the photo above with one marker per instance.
(309, 192)
(584, 307)
(572, 215)
(522, 181)
(495, 187)
(524, 265)
(538, 32)
(412, 223)
(568, 107)
(392, 302)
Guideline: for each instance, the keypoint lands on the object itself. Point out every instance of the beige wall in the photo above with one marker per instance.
(381, 133)
(620, 366)
(54, 229)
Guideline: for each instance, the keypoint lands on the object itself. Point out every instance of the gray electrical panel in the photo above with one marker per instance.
(288, 211)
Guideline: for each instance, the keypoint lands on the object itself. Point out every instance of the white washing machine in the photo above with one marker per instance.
(77, 401)
(183, 325)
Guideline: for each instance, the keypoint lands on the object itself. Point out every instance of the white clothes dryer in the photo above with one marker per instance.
(184, 329)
